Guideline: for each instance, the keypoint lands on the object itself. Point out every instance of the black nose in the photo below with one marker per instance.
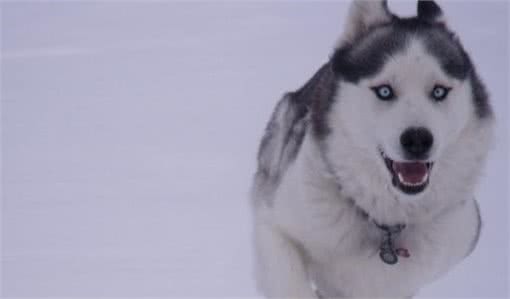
(416, 142)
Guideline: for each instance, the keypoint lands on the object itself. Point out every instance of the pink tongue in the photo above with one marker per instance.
(412, 172)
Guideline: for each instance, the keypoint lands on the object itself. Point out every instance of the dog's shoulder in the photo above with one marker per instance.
(286, 130)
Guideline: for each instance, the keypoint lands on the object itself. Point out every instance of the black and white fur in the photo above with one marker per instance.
(322, 183)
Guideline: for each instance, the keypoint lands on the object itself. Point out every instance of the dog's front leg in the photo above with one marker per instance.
(280, 267)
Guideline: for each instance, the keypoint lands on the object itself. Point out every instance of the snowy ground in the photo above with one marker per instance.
(129, 132)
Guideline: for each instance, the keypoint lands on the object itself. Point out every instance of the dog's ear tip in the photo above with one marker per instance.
(364, 14)
(429, 10)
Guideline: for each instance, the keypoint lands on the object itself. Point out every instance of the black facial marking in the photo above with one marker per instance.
(367, 56)
(445, 47)
(368, 53)
(480, 96)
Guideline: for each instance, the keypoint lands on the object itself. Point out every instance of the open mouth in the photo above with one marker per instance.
(410, 177)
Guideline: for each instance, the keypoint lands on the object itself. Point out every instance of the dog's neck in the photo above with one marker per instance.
(387, 216)
(383, 208)
(387, 251)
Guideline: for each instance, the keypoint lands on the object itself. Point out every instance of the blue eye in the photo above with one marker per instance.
(439, 93)
(384, 92)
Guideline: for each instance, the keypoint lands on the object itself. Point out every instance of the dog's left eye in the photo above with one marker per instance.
(439, 92)
(384, 92)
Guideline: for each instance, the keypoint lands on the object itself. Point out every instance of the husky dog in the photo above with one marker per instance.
(366, 174)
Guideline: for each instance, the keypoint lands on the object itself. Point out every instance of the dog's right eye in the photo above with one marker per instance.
(384, 92)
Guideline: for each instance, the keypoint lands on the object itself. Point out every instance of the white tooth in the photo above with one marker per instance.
(401, 178)
(423, 180)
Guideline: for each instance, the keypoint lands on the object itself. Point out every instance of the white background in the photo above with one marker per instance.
(129, 133)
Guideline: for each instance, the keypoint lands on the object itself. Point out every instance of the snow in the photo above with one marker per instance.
(129, 133)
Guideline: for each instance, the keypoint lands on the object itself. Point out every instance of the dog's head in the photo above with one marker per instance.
(406, 94)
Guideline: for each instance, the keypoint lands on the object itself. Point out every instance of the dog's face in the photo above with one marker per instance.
(405, 95)
(405, 115)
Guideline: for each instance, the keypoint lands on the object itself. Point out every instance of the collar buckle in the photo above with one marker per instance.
(387, 251)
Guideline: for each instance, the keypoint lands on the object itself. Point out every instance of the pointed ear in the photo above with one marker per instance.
(428, 10)
(363, 15)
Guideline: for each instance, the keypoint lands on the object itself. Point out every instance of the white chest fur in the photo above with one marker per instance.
(341, 247)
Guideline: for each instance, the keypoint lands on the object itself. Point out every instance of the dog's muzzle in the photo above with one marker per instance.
(410, 177)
